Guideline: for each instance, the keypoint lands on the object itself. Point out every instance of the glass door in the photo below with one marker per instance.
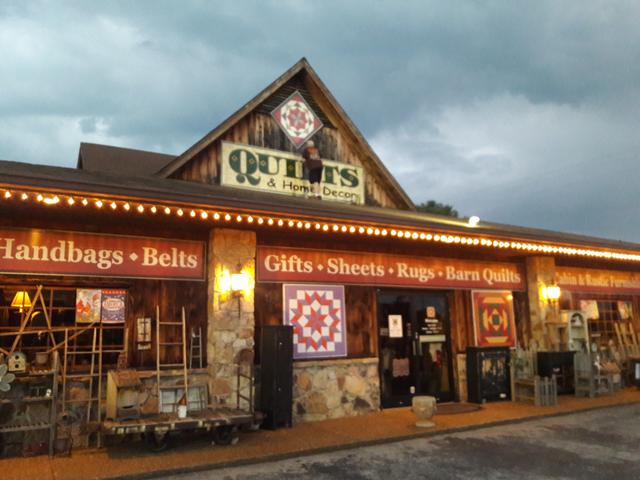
(415, 352)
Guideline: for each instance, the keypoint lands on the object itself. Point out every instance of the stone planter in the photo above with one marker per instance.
(424, 407)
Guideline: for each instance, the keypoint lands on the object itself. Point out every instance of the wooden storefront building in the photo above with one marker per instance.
(383, 299)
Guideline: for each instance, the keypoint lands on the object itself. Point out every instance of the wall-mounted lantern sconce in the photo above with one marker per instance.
(553, 293)
(236, 285)
(224, 282)
(239, 283)
(550, 293)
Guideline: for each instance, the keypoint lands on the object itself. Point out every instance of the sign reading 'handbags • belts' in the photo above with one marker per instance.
(76, 253)
(274, 171)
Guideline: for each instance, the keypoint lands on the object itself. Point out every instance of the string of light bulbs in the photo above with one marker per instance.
(49, 199)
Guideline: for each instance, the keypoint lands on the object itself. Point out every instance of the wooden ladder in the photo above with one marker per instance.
(627, 339)
(162, 328)
(92, 378)
(195, 348)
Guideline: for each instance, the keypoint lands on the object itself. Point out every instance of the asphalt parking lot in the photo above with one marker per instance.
(599, 444)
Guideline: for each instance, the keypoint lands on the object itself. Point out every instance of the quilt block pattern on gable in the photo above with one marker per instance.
(296, 119)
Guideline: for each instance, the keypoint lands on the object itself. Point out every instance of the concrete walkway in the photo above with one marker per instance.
(131, 460)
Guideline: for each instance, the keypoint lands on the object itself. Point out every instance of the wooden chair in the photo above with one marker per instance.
(590, 380)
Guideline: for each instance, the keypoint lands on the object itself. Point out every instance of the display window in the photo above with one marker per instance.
(76, 321)
(604, 312)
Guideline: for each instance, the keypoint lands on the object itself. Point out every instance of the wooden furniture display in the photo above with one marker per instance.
(196, 400)
(559, 364)
(527, 385)
(577, 329)
(30, 406)
(223, 423)
(627, 339)
(488, 376)
(590, 380)
(629, 349)
(123, 395)
(542, 391)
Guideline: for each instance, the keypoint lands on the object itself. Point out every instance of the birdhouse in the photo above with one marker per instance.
(17, 362)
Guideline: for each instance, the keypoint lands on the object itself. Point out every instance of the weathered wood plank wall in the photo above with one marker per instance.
(334, 141)
(143, 294)
(361, 316)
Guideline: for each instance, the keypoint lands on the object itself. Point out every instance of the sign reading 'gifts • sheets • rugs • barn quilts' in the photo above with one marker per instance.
(283, 264)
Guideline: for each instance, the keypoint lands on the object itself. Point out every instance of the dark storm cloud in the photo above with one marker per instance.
(520, 112)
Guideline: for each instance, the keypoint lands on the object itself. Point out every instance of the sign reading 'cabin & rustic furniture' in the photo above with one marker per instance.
(280, 264)
(597, 281)
(275, 171)
(75, 253)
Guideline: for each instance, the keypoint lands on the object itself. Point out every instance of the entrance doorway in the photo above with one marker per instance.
(415, 347)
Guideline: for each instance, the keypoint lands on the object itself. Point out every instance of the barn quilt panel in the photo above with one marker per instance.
(296, 119)
(493, 318)
(317, 315)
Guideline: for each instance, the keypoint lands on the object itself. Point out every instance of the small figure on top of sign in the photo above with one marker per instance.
(313, 164)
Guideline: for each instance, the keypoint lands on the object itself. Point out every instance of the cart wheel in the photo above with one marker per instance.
(225, 435)
(157, 441)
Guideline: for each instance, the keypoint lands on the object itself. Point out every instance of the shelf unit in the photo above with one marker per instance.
(86, 350)
(51, 380)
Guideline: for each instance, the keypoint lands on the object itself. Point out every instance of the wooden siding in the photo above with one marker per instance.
(296, 83)
(361, 316)
(143, 294)
(259, 129)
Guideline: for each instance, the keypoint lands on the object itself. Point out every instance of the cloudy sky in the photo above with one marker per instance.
(520, 112)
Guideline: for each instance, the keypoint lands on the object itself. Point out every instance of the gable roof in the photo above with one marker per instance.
(301, 65)
(124, 161)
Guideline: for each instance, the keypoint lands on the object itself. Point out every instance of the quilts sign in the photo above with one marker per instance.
(597, 281)
(493, 319)
(52, 252)
(275, 171)
(317, 314)
(282, 264)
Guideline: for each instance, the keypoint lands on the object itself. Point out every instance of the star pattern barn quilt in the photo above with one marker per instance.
(296, 119)
(317, 315)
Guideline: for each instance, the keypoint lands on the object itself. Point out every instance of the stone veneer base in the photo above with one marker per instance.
(335, 388)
